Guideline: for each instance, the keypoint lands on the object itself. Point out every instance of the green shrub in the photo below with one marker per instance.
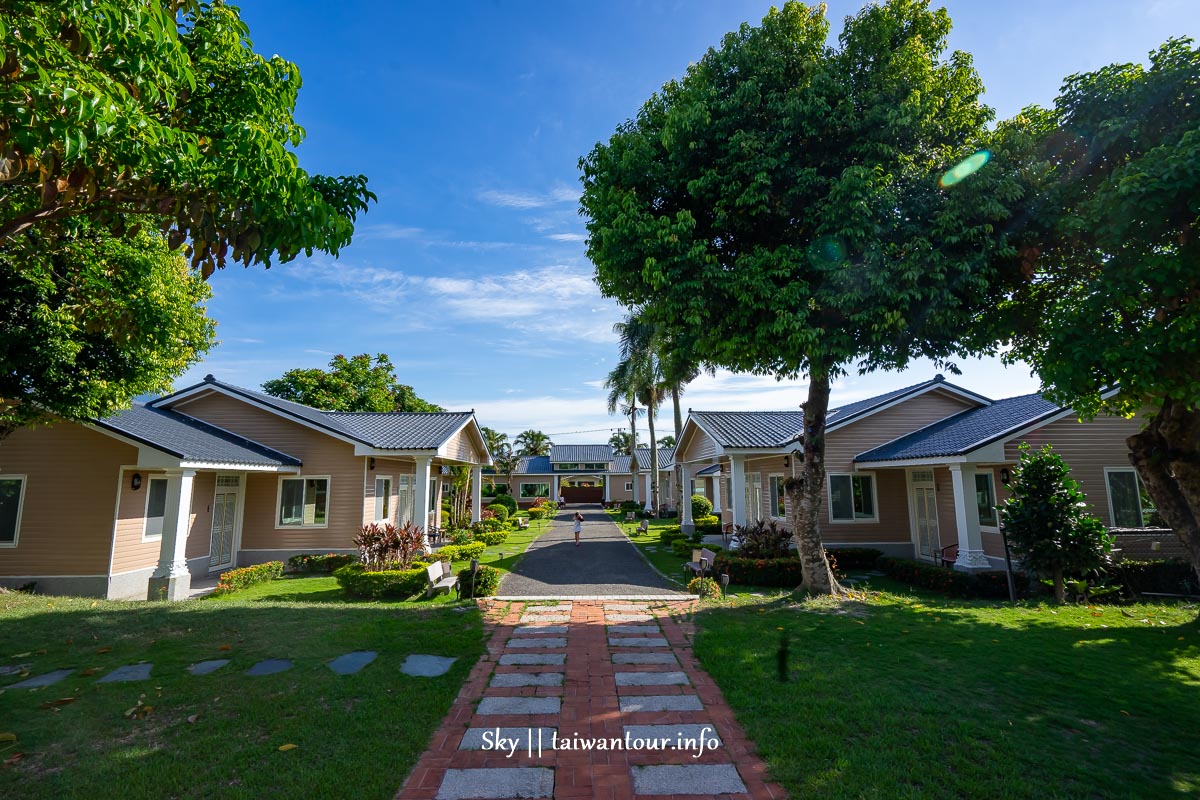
(382, 583)
(500, 510)
(1168, 577)
(461, 536)
(630, 505)
(701, 506)
(236, 579)
(490, 538)
(489, 525)
(682, 548)
(763, 539)
(670, 533)
(707, 525)
(854, 557)
(485, 582)
(312, 562)
(704, 587)
(947, 580)
(460, 552)
(761, 571)
(507, 501)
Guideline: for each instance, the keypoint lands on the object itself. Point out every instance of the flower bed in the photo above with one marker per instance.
(243, 577)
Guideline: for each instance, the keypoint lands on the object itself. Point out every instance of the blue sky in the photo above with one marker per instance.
(470, 118)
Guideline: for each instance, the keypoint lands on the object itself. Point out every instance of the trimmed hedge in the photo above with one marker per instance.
(947, 580)
(312, 562)
(492, 537)
(384, 583)
(708, 525)
(1168, 577)
(761, 571)
(682, 548)
(670, 534)
(243, 577)
(854, 557)
(486, 581)
(500, 510)
(461, 552)
(630, 505)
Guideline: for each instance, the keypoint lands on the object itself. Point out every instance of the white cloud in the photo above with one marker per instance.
(387, 231)
(241, 340)
(568, 237)
(560, 193)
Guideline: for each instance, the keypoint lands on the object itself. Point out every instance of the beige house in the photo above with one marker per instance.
(587, 473)
(212, 477)
(916, 473)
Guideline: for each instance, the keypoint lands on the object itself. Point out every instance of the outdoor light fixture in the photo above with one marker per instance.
(136, 482)
(474, 569)
(371, 463)
(724, 584)
(1005, 477)
(787, 462)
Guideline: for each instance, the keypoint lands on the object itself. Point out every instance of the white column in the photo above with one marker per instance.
(171, 579)
(649, 499)
(422, 493)
(607, 485)
(716, 494)
(686, 523)
(476, 493)
(966, 518)
(737, 488)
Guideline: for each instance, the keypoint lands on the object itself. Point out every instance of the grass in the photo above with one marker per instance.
(365, 730)
(512, 549)
(650, 545)
(892, 695)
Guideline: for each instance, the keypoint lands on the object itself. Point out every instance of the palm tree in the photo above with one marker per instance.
(622, 397)
(505, 462)
(667, 442)
(494, 439)
(533, 443)
(643, 375)
(680, 367)
(619, 442)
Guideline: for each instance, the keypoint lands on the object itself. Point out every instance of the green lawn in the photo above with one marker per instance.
(512, 549)
(898, 696)
(363, 731)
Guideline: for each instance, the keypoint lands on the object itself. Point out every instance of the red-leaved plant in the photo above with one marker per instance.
(381, 545)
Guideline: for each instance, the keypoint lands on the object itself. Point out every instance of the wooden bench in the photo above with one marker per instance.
(630, 516)
(522, 523)
(440, 577)
(694, 567)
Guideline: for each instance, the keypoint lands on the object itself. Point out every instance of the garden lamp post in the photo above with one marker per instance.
(724, 584)
(474, 569)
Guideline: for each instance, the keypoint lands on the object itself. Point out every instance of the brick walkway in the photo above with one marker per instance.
(589, 670)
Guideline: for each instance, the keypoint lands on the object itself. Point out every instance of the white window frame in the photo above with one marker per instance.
(147, 536)
(990, 474)
(24, 479)
(629, 486)
(1112, 513)
(388, 503)
(279, 499)
(776, 480)
(523, 496)
(406, 498)
(874, 497)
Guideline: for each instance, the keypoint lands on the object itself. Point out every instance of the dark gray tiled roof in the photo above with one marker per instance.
(666, 458)
(620, 464)
(190, 439)
(401, 430)
(581, 454)
(751, 428)
(711, 469)
(965, 431)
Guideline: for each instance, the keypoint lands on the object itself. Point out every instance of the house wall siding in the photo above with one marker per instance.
(130, 552)
(462, 447)
(699, 446)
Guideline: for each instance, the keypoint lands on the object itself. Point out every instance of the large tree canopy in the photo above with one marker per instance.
(350, 384)
(160, 108)
(779, 208)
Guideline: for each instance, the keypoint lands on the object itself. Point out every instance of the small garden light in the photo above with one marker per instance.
(724, 584)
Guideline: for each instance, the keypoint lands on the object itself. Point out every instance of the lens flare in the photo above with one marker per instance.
(965, 168)
(827, 249)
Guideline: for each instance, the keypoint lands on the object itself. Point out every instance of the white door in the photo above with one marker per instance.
(925, 513)
(224, 522)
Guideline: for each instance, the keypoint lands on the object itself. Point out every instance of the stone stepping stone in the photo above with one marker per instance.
(534, 659)
(558, 609)
(127, 674)
(546, 618)
(629, 617)
(511, 680)
(351, 663)
(625, 607)
(270, 666)
(679, 735)
(702, 779)
(205, 667)
(651, 679)
(526, 738)
(637, 641)
(496, 782)
(12, 669)
(423, 666)
(666, 702)
(530, 630)
(636, 630)
(645, 658)
(519, 705)
(538, 641)
(48, 679)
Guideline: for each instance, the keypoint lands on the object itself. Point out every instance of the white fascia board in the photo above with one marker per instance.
(935, 461)
(231, 466)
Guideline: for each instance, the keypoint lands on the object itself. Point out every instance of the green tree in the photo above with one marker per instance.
(1047, 523)
(350, 384)
(620, 442)
(494, 439)
(1112, 248)
(505, 462)
(640, 370)
(533, 443)
(779, 209)
(90, 321)
(667, 442)
(112, 110)
(622, 397)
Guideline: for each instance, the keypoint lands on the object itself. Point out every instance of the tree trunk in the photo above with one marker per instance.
(681, 491)
(1060, 590)
(1166, 455)
(633, 451)
(804, 493)
(652, 500)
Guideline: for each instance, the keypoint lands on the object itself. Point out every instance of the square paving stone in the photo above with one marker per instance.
(704, 779)
(534, 659)
(555, 609)
(12, 669)
(424, 666)
(270, 666)
(351, 663)
(651, 679)
(635, 630)
(530, 630)
(629, 617)
(519, 705)
(645, 658)
(205, 667)
(682, 737)
(625, 607)
(126, 674)
(509, 680)
(667, 702)
(537, 641)
(637, 641)
(496, 782)
(526, 739)
(546, 618)
(49, 679)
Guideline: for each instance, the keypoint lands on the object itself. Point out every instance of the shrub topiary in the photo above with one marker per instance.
(241, 578)
(500, 510)
(708, 525)
(507, 501)
(682, 547)
(670, 534)
(704, 587)
(461, 552)
(490, 538)
(312, 562)
(701, 506)
(483, 584)
(382, 583)
(630, 505)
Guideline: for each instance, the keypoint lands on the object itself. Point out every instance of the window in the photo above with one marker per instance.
(698, 488)
(156, 507)
(383, 498)
(1129, 503)
(494, 489)
(596, 466)
(985, 497)
(566, 466)
(303, 502)
(535, 490)
(629, 486)
(406, 497)
(852, 498)
(778, 497)
(754, 506)
(12, 492)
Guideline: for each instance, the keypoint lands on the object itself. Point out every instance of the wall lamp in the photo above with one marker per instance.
(136, 482)
(1005, 477)
(371, 463)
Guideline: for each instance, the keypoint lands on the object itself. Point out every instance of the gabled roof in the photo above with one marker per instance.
(581, 454)
(666, 458)
(965, 431)
(711, 469)
(843, 415)
(750, 429)
(534, 465)
(190, 439)
(620, 464)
